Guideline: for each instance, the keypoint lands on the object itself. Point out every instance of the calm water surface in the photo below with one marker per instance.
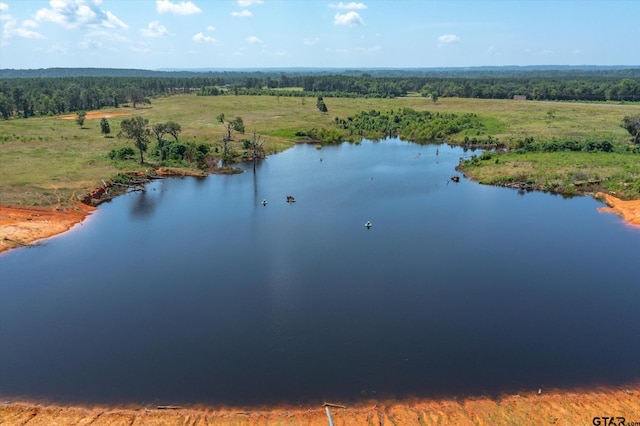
(194, 292)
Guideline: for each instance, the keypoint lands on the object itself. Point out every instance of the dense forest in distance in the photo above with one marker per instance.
(53, 91)
(545, 71)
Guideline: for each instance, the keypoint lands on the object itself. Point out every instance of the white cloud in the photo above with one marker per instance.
(247, 3)
(311, 41)
(254, 39)
(201, 38)
(24, 33)
(350, 19)
(112, 22)
(103, 39)
(85, 13)
(4, 8)
(448, 38)
(28, 23)
(154, 29)
(10, 30)
(72, 14)
(243, 14)
(182, 8)
(211, 28)
(348, 6)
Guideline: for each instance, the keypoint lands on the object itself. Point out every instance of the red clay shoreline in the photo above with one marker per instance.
(21, 226)
(629, 210)
(531, 408)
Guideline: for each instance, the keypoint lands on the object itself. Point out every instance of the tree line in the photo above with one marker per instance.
(586, 89)
(28, 97)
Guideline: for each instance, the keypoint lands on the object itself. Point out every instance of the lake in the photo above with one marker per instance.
(196, 292)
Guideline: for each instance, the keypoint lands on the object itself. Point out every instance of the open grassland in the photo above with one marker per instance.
(568, 173)
(49, 161)
(521, 119)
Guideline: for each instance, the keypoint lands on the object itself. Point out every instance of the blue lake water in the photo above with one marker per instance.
(194, 292)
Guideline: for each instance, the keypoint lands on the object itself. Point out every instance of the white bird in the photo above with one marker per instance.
(368, 224)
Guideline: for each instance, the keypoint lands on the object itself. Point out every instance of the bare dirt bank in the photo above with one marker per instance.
(24, 226)
(549, 407)
(628, 210)
(92, 115)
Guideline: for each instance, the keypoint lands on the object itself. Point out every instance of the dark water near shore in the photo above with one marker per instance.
(194, 292)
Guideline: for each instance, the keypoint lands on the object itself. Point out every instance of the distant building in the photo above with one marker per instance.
(519, 97)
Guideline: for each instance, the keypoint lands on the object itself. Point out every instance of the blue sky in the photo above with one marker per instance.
(154, 34)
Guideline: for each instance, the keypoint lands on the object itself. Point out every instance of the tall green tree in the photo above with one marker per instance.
(6, 106)
(629, 89)
(159, 130)
(136, 130)
(20, 102)
(80, 117)
(173, 129)
(136, 96)
(322, 107)
(237, 124)
(105, 128)
(632, 125)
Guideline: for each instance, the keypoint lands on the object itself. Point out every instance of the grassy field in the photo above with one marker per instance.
(49, 161)
(569, 173)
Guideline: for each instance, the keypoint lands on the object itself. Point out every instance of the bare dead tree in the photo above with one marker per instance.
(257, 149)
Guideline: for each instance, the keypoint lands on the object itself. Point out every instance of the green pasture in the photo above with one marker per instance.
(48, 160)
(568, 173)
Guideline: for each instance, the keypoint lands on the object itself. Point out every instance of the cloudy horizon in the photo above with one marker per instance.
(156, 34)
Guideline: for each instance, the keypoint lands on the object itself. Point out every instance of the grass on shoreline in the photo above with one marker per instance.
(48, 161)
(568, 173)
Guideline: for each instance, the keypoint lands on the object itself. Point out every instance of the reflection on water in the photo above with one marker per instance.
(193, 291)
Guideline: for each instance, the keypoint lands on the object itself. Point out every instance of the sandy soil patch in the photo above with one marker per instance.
(23, 226)
(628, 210)
(549, 407)
(91, 115)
